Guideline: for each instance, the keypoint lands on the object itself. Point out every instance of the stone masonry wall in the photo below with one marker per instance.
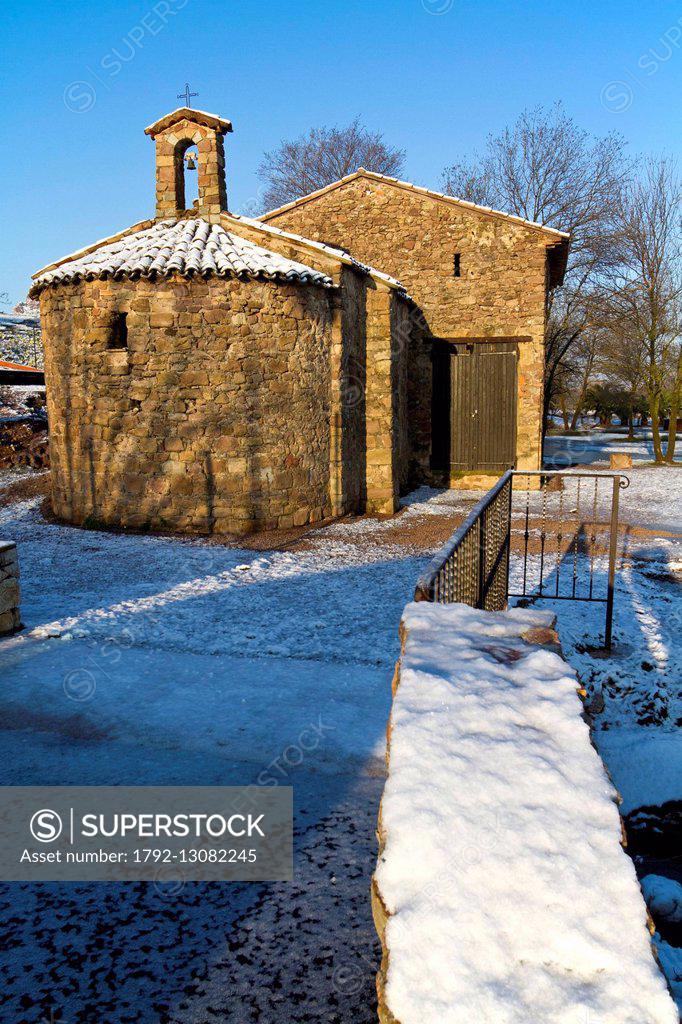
(501, 290)
(351, 346)
(381, 404)
(401, 332)
(370, 338)
(10, 619)
(215, 418)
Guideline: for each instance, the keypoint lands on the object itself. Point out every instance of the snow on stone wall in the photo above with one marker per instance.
(502, 893)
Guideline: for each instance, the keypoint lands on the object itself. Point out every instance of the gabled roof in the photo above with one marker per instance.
(342, 255)
(465, 204)
(188, 114)
(189, 247)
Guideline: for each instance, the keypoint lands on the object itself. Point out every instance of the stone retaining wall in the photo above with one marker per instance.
(10, 620)
(501, 890)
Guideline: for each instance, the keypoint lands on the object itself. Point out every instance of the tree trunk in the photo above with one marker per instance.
(631, 426)
(546, 401)
(674, 411)
(654, 413)
(564, 413)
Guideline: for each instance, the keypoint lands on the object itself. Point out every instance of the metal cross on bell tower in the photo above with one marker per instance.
(187, 95)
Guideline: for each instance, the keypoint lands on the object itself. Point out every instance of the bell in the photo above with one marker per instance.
(191, 161)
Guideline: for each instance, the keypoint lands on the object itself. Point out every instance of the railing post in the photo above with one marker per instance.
(481, 537)
(613, 549)
(507, 541)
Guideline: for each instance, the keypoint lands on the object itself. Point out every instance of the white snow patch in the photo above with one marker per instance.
(511, 897)
(663, 896)
(671, 962)
(645, 764)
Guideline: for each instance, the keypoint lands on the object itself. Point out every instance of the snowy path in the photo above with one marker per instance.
(149, 660)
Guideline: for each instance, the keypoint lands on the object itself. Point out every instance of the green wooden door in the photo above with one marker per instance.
(483, 393)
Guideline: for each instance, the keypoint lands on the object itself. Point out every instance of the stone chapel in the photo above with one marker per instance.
(208, 372)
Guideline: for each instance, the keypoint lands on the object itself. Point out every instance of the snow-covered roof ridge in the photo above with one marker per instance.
(188, 247)
(502, 891)
(362, 172)
(220, 124)
(331, 250)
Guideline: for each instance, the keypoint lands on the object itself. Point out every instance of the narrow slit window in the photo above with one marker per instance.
(456, 265)
(118, 337)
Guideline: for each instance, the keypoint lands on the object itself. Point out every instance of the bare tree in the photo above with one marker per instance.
(322, 156)
(547, 169)
(646, 289)
(622, 365)
(675, 404)
(583, 362)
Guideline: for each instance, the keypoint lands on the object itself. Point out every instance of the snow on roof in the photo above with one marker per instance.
(509, 894)
(361, 172)
(332, 250)
(187, 247)
(220, 124)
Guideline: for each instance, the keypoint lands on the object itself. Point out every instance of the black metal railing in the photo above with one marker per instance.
(556, 530)
(473, 567)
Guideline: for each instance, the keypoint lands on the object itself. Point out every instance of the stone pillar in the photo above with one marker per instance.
(382, 482)
(211, 170)
(336, 495)
(529, 404)
(10, 620)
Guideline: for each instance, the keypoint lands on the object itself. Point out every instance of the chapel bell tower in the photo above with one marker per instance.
(173, 135)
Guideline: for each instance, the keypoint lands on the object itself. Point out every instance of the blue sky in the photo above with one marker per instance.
(82, 80)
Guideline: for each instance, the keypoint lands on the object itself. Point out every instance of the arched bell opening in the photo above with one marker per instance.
(186, 160)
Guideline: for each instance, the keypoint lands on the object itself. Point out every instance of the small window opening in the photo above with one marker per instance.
(118, 336)
(456, 265)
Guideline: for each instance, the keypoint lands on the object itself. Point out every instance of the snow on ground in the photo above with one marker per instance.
(664, 896)
(658, 488)
(512, 898)
(636, 697)
(594, 447)
(670, 958)
(653, 497)
(635, 694)
(186, 595)
(160, 660)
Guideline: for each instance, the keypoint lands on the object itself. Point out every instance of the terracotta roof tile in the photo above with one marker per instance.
(187, 247)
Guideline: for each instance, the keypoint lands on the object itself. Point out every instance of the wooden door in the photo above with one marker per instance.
(483, 395)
